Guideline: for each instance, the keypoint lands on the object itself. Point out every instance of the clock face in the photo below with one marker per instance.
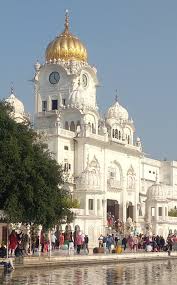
(54, 77)
(84, 80)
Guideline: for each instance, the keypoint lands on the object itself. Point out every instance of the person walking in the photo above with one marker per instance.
(71, 244)
(86, 241)
(12, 242)
(109, 243)
(124, 243)
(53, 240)
(78, 242)
(61, 243)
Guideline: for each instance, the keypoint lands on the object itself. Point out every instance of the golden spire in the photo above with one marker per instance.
(66, 22)
(66, 46)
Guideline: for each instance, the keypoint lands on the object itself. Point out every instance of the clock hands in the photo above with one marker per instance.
(54, 77)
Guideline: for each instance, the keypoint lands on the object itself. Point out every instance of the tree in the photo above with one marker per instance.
(31, 182)
(172, 212)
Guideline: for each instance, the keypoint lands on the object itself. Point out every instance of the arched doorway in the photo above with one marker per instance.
(130, 210)
(113, 208)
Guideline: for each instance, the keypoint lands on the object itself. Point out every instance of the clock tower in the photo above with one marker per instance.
(66, 116)
(66, 84)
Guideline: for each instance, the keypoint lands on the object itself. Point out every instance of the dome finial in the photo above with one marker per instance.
(66, 21)
(11, 88)
(116, 96)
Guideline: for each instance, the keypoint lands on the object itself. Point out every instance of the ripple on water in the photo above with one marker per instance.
(144, 273)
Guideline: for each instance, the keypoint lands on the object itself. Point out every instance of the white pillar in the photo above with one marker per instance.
(86, 207)
(156, 213)
(149, 212)
(99, 211)
(105, 212)
(95, 206)
(124, 211)
(135, 213)
(124, 199)
(163, 213)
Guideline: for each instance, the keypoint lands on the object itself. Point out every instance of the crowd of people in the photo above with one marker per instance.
(114, 223)
(136, 243)
(68, 240)
(22, 244)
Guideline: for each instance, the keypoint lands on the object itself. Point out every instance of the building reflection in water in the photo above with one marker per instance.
(144, 273)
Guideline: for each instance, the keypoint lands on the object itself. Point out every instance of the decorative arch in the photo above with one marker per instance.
(94, 162)
(128, 134)
(115, 172)
(131, 175)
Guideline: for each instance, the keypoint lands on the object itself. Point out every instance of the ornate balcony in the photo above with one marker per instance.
(114, 184)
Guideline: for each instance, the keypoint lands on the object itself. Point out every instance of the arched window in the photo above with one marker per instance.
(93, 129)
(119, 135)
(89, 126)
(113, 133)
(72, 127)
(116, 134)
(128, 139)
(66, 125)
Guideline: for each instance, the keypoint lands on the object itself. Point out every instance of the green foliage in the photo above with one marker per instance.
(172, 213)
(29, 177)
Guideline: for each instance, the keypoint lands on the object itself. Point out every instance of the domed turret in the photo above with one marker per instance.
(157, 192)
(18, 108)
(66, 46)
(15, 103)
(116, 111)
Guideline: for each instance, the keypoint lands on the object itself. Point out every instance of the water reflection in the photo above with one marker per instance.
(144, 273)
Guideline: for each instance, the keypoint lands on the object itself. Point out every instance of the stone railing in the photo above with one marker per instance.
(66, 133)
(172, 219)
(78, 212)
(97, 137)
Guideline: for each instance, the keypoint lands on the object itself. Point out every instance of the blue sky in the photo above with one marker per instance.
(133, 44)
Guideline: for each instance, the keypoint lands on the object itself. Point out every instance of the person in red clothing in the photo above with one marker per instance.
(78, 242)
(12, 242)
(61, 243)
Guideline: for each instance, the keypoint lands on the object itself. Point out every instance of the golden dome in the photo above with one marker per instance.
(66, 46)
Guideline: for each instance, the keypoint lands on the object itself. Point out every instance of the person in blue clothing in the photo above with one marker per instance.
(109, 242)
(104, 243)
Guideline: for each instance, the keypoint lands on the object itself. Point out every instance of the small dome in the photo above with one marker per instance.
(15, 103)
(66, 46)
(79, 100)
(116, 111)
(156, 192)
(76, 98)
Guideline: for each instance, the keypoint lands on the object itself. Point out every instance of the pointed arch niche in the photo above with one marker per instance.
(131, 176)
(115, 174)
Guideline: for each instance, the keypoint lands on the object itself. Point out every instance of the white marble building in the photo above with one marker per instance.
(106, 166)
